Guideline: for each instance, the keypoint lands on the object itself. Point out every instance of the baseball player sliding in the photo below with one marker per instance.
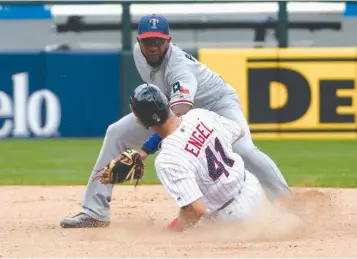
(196, 163)
(187, 83)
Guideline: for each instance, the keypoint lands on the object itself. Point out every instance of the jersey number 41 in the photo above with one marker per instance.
(215, 166)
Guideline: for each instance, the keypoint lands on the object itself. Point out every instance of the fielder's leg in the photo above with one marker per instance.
(126, 133)
(258, 163)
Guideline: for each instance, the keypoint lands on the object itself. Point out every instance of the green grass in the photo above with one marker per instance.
(326, 163)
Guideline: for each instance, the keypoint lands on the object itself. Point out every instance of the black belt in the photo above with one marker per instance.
(231, 200)
(226, 204)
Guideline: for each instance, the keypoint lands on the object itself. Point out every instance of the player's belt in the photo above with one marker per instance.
(226, 204)
(231, 200)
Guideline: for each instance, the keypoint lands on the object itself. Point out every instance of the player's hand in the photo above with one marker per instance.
(143, 154)
(126, 167)
(175, 226)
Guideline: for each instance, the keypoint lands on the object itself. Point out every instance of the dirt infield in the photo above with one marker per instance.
(326, 226)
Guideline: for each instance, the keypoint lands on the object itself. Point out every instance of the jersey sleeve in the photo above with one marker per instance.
(183, 87)
(232, 128)
(179, 182)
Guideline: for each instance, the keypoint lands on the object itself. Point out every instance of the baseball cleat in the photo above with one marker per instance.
(82, 220)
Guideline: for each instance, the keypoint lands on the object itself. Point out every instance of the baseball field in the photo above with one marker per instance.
(44, 180)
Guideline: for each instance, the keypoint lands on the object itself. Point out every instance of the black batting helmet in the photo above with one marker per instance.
(149, 105)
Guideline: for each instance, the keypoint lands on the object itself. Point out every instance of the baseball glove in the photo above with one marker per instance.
(126, 167)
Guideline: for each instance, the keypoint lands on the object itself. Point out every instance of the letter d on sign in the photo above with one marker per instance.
(298, 89)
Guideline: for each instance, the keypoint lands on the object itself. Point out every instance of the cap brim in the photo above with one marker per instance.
(154, 35)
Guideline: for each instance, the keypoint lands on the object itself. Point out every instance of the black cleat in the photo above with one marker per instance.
(82, 220)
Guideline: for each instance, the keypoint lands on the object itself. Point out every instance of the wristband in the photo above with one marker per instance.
(152, 144)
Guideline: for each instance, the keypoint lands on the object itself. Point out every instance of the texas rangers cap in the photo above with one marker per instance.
(153, 26)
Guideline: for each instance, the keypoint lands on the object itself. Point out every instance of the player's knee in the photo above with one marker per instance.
(117, 135)
(111, 130)
(245, 148)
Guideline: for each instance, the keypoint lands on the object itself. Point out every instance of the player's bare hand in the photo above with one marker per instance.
(143, 154)
(175, 226)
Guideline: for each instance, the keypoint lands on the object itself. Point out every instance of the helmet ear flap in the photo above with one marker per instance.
(131, 103)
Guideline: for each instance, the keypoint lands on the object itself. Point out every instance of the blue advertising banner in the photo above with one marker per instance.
(20, 78)
(59, 94)
(350, 9)
(87, 85)
(25, 12)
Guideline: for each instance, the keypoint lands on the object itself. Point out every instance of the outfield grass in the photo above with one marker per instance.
(326, 163)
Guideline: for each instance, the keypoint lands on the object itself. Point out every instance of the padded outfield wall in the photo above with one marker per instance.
(285, 93)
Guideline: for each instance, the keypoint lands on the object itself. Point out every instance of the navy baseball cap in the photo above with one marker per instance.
(153, 26)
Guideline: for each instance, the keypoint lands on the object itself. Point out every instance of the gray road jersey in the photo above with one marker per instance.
(183, 79)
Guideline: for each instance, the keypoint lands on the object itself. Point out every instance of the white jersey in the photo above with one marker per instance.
(182, 78)
(197, 160)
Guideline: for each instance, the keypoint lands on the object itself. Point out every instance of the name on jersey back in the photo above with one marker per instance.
(198, 138)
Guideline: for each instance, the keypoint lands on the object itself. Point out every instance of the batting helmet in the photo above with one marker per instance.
(149, 105)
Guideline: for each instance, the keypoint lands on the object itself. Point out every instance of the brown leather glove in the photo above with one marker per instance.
(126, 167)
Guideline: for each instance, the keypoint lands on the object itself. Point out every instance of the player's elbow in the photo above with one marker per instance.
(242, 133)
(180, 109)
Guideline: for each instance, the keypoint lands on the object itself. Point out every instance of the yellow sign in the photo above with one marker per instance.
(292, 93)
